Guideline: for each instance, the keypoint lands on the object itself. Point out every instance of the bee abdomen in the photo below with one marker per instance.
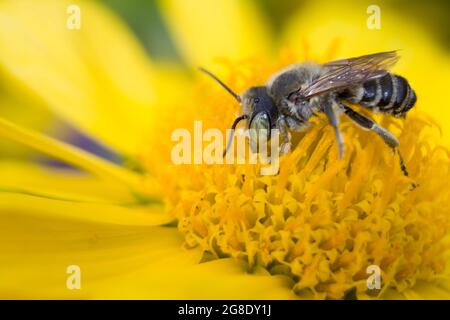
(390, 94)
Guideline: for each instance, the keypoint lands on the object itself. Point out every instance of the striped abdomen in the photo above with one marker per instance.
(390, 94)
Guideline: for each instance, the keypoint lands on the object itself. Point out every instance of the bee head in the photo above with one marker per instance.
(262, 111)
(258, 108)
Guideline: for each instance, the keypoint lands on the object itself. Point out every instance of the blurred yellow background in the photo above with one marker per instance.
(120, 83)
(177, 36)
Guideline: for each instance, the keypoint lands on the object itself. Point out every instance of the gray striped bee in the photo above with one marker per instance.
(297, 93)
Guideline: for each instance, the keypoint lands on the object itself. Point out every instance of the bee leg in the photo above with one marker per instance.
(289, 109)
(333, 118)
(282, 125)
(367, 123)
(387, 137)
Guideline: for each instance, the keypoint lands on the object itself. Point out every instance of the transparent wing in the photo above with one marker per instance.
(340, 74)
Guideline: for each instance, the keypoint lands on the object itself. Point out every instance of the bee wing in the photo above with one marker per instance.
(344, 73)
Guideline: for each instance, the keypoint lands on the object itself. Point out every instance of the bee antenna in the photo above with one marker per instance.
(235, 95)
(233, 128)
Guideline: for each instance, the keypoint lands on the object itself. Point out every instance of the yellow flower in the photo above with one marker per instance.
(309, 232)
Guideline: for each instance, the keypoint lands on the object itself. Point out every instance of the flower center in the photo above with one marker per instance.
(324, 222)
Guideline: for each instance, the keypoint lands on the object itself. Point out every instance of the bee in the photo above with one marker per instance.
(299, 92)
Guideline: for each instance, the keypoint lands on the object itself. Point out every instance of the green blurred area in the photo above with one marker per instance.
(145, 19)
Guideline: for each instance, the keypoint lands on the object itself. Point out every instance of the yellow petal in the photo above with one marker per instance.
(31, 114)
(204, 30)
(115, 260)
(218, 279)
(40, 208)
(97, 77)
(69, 154)
(55, 183)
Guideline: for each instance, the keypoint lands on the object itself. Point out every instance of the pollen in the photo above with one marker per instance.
(320, 221)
